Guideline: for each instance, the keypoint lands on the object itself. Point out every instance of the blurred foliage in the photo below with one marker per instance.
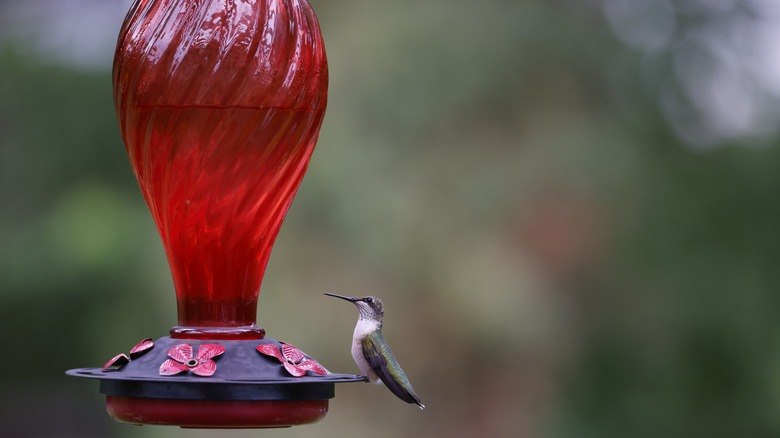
(557, 256)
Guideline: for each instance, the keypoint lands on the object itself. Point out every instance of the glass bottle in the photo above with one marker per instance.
(220, 103)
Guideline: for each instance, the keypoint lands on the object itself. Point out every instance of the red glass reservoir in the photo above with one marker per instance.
(220, 103)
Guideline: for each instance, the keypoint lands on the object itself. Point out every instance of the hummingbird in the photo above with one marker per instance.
(372, 353)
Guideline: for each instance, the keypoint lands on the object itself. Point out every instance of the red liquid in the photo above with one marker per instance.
(220, 105)
(217, 202)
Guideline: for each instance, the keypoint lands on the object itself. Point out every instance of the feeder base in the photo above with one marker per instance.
(247, 390)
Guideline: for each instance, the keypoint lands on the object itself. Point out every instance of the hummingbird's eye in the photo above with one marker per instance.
(369, 300)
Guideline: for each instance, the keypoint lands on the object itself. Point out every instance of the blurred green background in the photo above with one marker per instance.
(570, 209)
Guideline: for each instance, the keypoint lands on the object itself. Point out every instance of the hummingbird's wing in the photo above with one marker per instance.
(382, 361)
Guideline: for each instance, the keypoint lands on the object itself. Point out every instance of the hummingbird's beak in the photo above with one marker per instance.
(350, 299)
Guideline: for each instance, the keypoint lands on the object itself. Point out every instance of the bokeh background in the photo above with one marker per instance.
(570, 209)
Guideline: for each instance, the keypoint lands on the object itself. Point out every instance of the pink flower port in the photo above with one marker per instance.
(120, 360)
(181, 360)
(293, 359)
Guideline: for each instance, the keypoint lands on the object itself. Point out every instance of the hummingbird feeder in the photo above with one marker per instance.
(220, 104)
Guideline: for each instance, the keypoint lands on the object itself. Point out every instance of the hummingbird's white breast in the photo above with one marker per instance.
(363, 328)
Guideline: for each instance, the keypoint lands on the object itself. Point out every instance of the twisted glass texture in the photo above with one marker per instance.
(220, 104)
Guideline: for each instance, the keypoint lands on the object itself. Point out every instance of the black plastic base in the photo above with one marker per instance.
(242, 374)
